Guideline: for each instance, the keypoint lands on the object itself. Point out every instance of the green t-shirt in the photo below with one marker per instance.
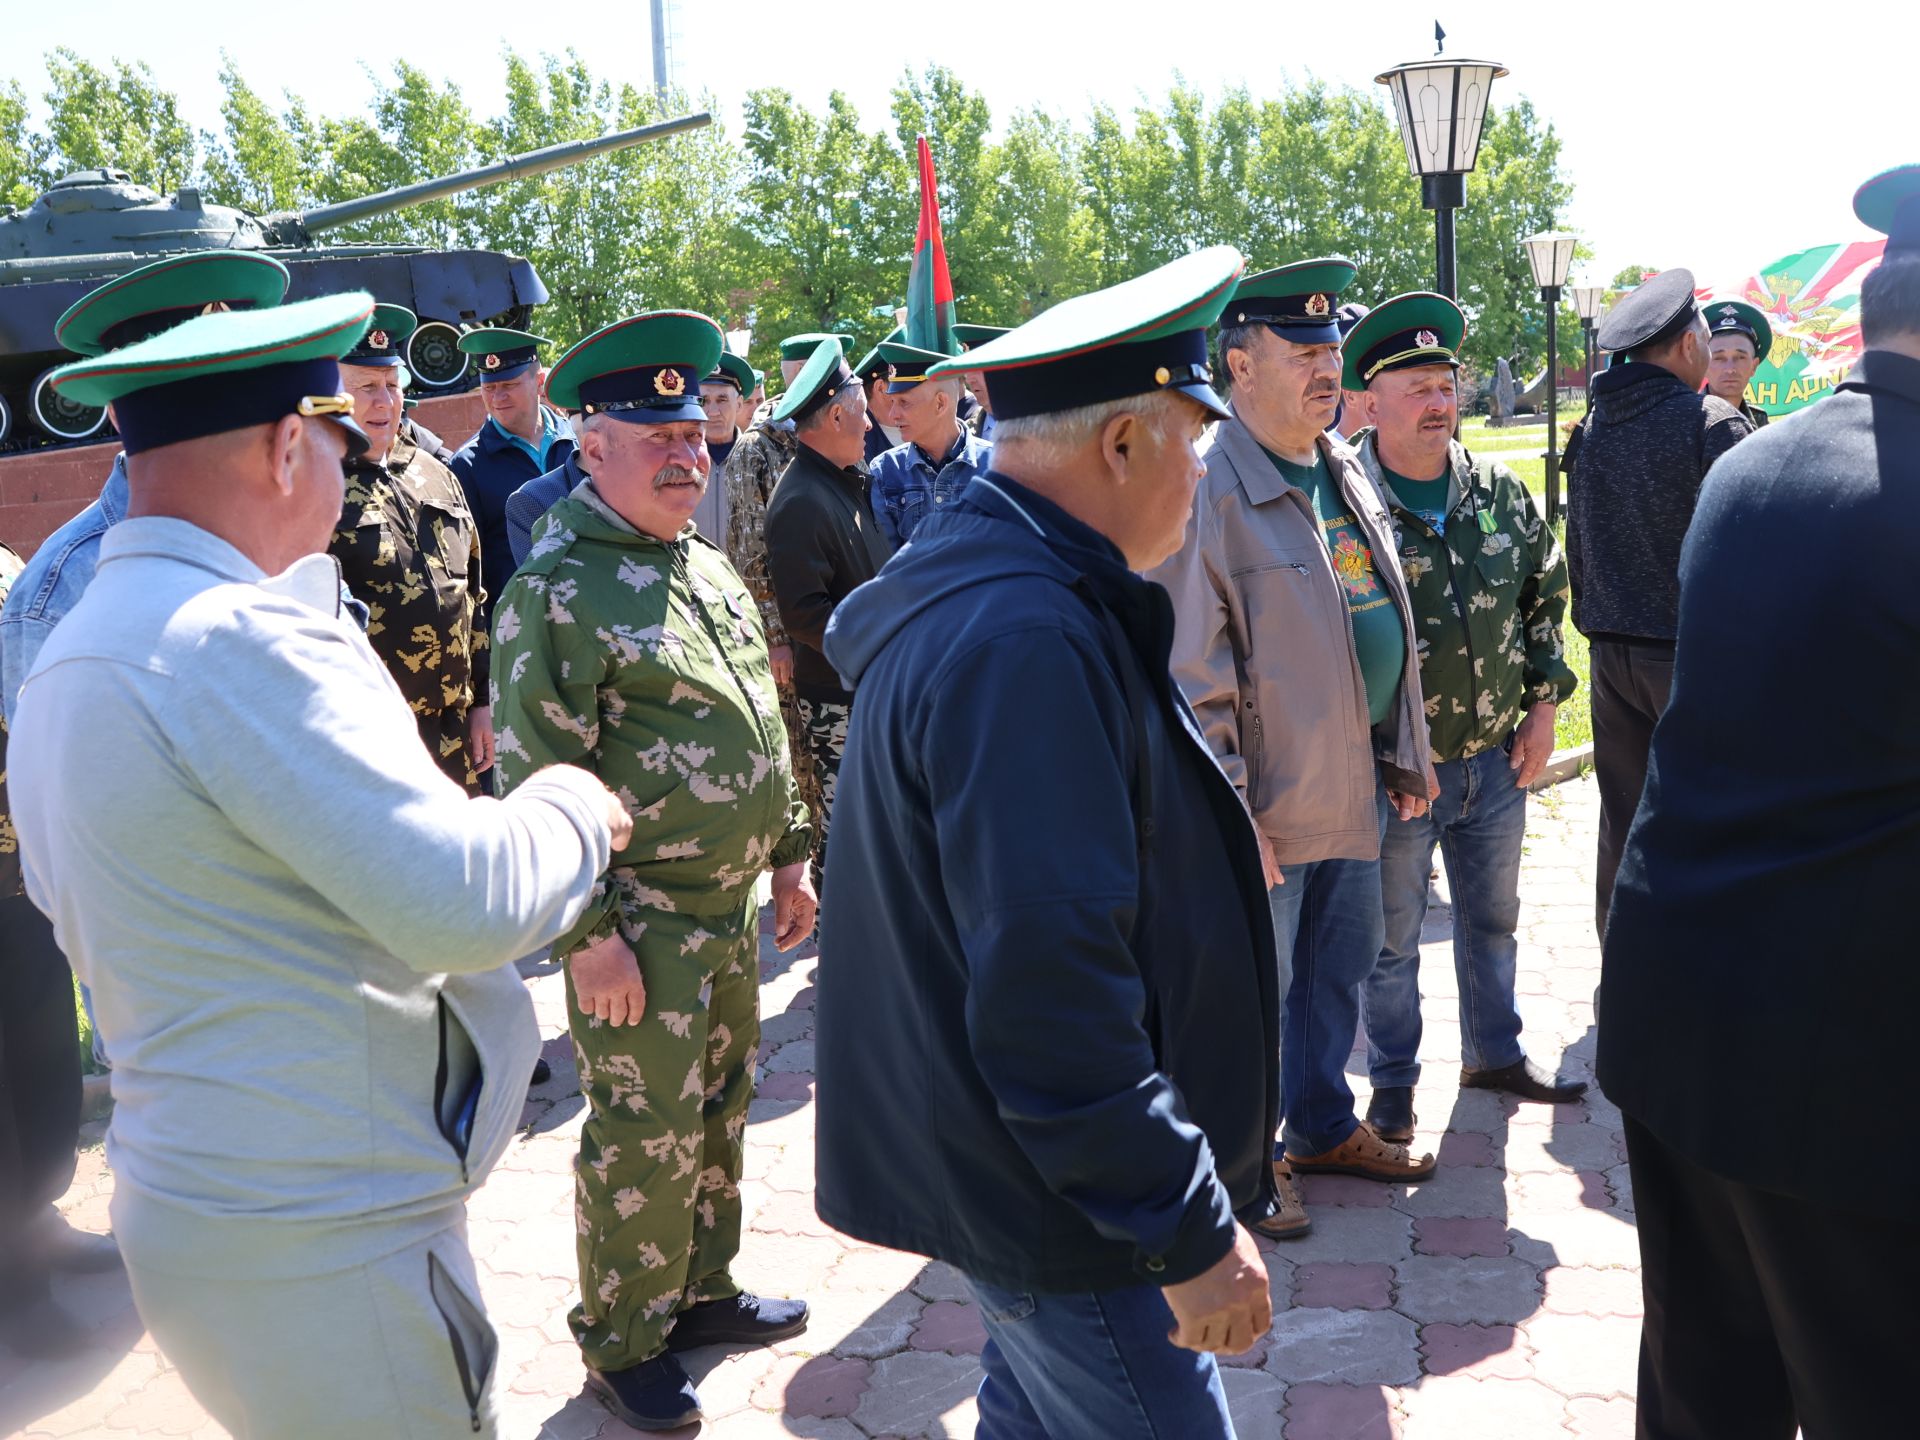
(1425, 498)
(1379, 639)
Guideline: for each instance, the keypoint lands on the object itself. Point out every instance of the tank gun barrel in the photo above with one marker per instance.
(518, 167)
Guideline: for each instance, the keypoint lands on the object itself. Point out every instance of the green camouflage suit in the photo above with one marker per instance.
(410, 552)
(646, 662)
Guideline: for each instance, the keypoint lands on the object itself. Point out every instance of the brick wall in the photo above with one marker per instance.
(41, 490)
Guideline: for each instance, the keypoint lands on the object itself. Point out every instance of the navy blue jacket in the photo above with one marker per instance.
(490, 468)
(1760, 959)
(531, 501)
(1047, 1019)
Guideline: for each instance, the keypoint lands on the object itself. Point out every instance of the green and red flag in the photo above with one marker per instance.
(929, 287)
(1812, 300)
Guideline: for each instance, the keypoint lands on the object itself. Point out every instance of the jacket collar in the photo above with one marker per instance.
(1885, 372)
(854, 477)
(1460, 476)
(313, 580)
(1629, 373)
(1259, 476)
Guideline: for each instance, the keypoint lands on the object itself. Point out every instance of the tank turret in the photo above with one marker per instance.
(96, 224)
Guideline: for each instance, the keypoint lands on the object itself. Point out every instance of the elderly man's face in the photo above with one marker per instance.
(1414, 412)
(653, 475)
(1296, 388)
(1731, 362)
(515, 403)
(1169, 470)
(721, 402)
(743, 412)
(378, 405)
(319, 482)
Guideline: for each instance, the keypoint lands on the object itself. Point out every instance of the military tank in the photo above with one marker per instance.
(96, 224)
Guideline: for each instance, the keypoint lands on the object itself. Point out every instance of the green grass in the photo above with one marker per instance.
(85, 1030)
(1573, 721)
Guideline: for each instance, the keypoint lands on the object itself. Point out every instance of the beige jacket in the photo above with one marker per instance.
(1264, 650)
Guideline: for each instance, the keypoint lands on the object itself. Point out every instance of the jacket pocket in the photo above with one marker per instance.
(476, 1348)
(458, 1080)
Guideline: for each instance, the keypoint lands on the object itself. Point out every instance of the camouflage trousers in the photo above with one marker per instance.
(826, 727)
(446, 737)
(804, 779)
(657, 1184)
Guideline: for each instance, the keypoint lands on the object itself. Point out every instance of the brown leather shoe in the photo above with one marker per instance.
(1290, 1221)
(1366, 1155)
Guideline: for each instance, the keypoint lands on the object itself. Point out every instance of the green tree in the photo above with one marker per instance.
(22, 157)
(99, 120)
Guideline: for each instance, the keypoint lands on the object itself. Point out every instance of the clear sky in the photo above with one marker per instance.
(1715, 136)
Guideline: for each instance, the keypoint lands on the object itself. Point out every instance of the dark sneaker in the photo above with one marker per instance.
(656, 1394)
(1526, 1080)
(1391, 1113)
(742, 1320)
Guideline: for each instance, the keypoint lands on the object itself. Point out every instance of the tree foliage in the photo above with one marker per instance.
(804, 219)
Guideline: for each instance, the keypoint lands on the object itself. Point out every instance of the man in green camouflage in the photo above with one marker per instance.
(627, 644)
(409, 550)
(752, 469)
(1488, 588)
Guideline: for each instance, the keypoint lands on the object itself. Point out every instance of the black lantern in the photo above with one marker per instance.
(1551, 256)
(1442, 106)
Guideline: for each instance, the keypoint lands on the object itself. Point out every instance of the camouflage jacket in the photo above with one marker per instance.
(752, 469)
(1489, 598)
(644, 661)
(409, 549)
(10, 880)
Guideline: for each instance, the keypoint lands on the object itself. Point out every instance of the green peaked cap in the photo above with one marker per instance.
(972, 335)
(908, 363)
(873, 360)
(799, 347)
(1300, 301)
(731, 367)
(824, 373)
(646, 368)
(1879, 202)
(386, 337)
(1418, 328)
(156, 297)
(1737, 317)
(1142, 335)
(495, 340)
(266, 363)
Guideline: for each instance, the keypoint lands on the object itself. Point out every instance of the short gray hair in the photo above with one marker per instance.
(1051, 438)
(1234, 337)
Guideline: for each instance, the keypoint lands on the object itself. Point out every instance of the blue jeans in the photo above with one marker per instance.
(1092, 1367)
(1480, 824)
(1327, 927)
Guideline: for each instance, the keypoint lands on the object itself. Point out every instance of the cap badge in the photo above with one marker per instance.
(1319, 306)
(492, 362)
(377, 340)
(1427, 340)
(1727, 312)
(670, 382)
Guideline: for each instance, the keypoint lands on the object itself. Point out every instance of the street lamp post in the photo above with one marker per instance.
(1551, 256)
(1586, 304)
(1442, 106)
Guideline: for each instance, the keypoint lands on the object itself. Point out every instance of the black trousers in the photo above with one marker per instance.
(39, 1086)
(1629, 686)
(1766, 1312)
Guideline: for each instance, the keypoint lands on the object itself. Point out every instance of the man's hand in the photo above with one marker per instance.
(782, 658)
(1532, 745)
(606, 982)
(1227, 1308)
(480, 736)
(794, 905)
(1269, 866)
(1407, 807)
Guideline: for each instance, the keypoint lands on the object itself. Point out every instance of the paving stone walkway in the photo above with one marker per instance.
(1499, 1299)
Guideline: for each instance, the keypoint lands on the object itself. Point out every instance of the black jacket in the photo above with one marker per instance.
(1636, 463)
(1048, 1023)
(822, 543)
(1760, 960)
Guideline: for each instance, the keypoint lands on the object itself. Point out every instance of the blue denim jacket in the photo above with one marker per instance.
(907, 486)
(58, 575)
(54, 580)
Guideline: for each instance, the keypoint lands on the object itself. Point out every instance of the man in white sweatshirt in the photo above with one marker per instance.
(296, 928)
